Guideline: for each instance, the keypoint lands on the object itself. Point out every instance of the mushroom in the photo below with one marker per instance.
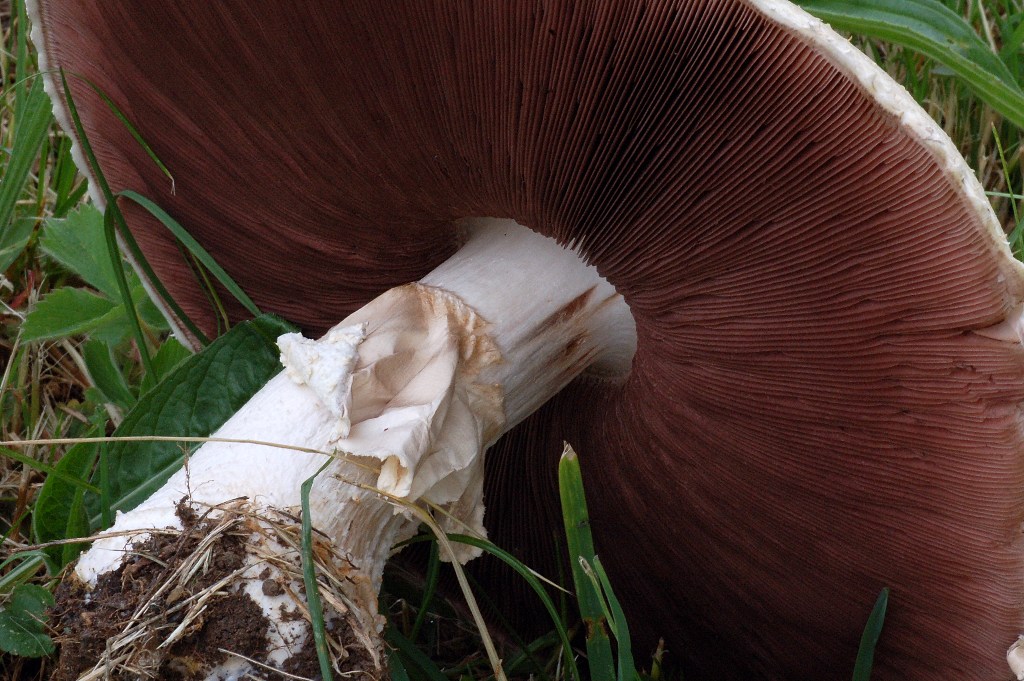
(825, 393)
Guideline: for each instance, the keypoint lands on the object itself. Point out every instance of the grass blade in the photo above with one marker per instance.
(620, 629)
(869, 639)
(408, 650)
(581, 546)
(118, 218)
(931, 28)
(433, 571)
(126, 296)
(22, 63)
(110, 223)
(195, 249)
(537, 587)
(35, 464)
(132, 130)
(316, 608)
(31, 128)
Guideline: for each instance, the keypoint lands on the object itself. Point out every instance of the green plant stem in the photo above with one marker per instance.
(316, 610)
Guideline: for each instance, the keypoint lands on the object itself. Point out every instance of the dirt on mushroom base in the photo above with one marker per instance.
(175, 607)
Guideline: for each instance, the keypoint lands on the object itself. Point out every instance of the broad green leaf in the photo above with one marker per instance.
(78, 243)
(65, 312)
(105, 374)
(23, 622)
(171, 354)
(32, 123)
(934, 30)
(115, 326)
(59, 511)
(193, 400)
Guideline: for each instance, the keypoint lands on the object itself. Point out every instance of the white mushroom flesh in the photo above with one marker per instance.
(406, 393)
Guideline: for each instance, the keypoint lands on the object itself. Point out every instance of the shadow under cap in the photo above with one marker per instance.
(816, 408)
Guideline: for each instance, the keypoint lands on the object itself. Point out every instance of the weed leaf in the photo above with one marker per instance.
(105, 374)
(65, 312)
(171, 354)
(78, 243)
(59, 512)
(23, 622)
(193, 400)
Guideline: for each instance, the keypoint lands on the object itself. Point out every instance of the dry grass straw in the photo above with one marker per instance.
(139, 651)
(174, 609)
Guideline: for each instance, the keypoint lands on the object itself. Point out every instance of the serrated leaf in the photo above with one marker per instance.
(59, 512)
(23, 622)
(111, 328)
(115, 326)
(931, 28)
(78, 243)
(65, 312)
(193, 400)
(105, 374)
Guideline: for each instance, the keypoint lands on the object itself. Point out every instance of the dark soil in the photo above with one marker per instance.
(84, 621)
(83, 625)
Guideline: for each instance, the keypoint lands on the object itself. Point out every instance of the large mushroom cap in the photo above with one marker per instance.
(825, 397)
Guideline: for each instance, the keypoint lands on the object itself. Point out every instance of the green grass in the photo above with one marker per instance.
(962, 60)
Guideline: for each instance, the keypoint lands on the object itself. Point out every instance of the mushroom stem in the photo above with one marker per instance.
(402, 397)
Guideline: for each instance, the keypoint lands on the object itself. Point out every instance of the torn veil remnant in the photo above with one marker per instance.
(407, 392)
(825, 393)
